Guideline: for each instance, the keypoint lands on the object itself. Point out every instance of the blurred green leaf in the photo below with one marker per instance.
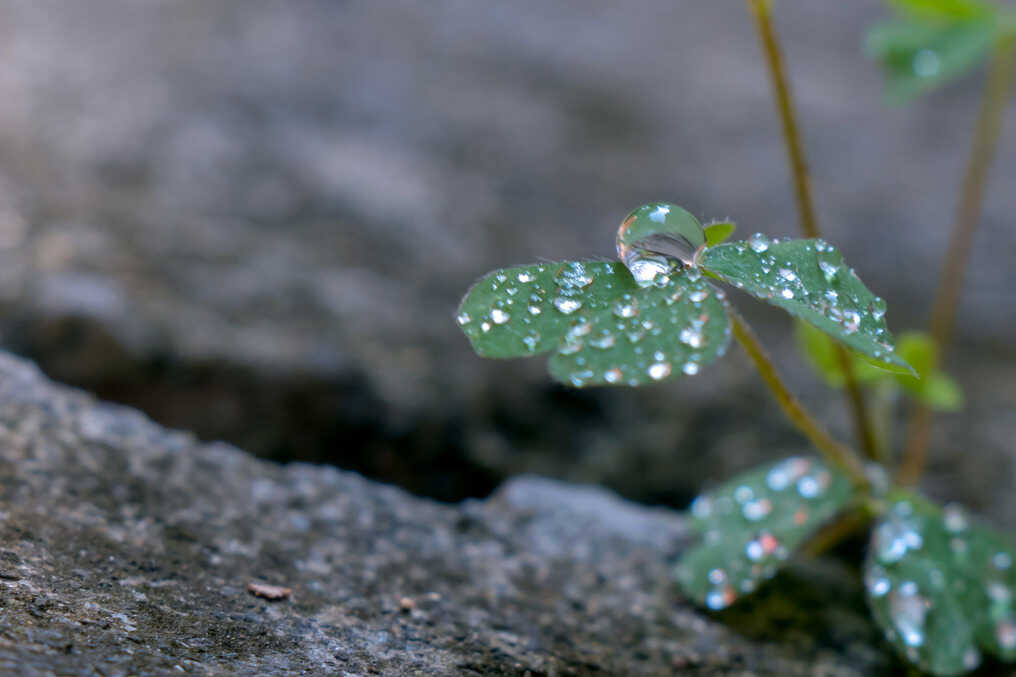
(808, 279)
(933, 388)
(945, 9)
(603, 327)
(753, 523)
(718, 232)
(941, 587)
(821, 353)
(917, 56)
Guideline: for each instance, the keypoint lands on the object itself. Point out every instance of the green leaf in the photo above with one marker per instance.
(821, 353)
(941, 587)
(605, 328)
(809, 280)
(941, 392)
(718, 232)
(934, 388)
(751, 525)
(918, 56)
(951, 10)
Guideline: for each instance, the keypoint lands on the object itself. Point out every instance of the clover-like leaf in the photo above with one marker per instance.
(718, 232)
(921, 55)
(809, 279)
(752, 524)
(941, 587)
(605, 328)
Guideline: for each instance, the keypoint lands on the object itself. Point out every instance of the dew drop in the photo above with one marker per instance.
(1005, 632)
(659, 370)
(878, 307)
(876, 581)
(787, 274)
(463, 319)
(613, 375)
(531, 341)
(908, 610)
(691, 337)
(580, 378)
(758, 243)
(756, 510)
(690, 368)
(626, 307)
(524, 277)
(693, 274)
(567, 305)
(787, 293)
(499, 316)
(698, 296)
(535, 310)
(954, 518)
(573, 276)
(604, 341)
(829, 260)
(485, 327)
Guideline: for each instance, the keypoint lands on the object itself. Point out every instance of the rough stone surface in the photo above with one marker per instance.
(126, 548)
(254, 219)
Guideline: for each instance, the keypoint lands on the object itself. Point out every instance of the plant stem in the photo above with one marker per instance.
(836, 453)
(832, 534)
(968, 213)
(805, 204)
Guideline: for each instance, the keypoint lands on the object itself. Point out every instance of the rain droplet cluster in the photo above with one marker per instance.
(809, 279)
(751, 525)
(606, 325)
(942, 587)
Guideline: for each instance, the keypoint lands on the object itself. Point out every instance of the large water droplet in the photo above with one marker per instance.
(660, 228)
(567, 305)
(646, 268)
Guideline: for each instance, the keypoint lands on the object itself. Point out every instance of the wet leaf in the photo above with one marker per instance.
(604, 327)
(941, 586)
(918, 56)
(810, 280)
(718, 232)
(821, 353)
(752, 524)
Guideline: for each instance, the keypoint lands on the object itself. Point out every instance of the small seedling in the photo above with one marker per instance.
(941, 585)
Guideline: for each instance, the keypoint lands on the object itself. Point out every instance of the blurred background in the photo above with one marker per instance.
(254, 219)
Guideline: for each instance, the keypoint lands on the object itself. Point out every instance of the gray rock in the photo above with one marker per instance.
(127, 548)
(253, 219)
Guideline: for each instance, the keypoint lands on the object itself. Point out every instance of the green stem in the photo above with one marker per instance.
(805, 204)
(836, 453)
(968, 213)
